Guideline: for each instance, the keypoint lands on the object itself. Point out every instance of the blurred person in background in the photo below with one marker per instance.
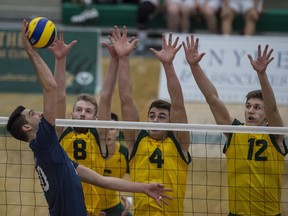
(250, 9)
(209, 10)
(179, 13)
(146, 10)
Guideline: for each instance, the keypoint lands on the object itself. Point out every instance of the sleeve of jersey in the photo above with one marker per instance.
(75, 164)
(236, 122)
(46, 145)
(46, 134)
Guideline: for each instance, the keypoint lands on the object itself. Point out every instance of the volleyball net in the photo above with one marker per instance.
(206, 184)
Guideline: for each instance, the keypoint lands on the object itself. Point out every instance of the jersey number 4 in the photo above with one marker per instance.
(258, 157)
(156, 157)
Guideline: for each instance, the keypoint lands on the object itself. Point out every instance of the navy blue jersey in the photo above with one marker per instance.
(58, 177)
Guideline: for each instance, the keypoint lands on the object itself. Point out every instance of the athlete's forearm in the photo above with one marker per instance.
(91, 177)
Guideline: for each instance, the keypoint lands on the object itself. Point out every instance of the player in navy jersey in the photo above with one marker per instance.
(59, 177)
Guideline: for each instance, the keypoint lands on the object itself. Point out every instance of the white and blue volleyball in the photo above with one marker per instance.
(42, 32)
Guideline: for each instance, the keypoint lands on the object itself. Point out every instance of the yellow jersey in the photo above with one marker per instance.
(115, 166)
(161, 162)
(254, 170)
(85, 149)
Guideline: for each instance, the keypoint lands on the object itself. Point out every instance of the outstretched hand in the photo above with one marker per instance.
(156, 191)
(25, 32)
(168, 51)
(191, 50)
(263, 60)
(59, 48)
(122, 46)
(110, 49)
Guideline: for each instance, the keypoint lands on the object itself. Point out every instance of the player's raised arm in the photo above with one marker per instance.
(129, 111)
(60, 51)
(105, 101)
(193, 57)
(178, 112)
(260, 65)
(44, 75)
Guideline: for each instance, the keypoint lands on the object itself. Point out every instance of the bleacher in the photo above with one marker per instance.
(272, 19)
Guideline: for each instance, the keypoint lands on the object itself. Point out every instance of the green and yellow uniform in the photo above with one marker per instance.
(162, 162)
(115, 166)
(85, 149)
(254, 171)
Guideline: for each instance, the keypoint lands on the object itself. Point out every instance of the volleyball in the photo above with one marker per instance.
(42, 32)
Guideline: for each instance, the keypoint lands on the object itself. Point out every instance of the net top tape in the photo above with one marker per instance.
(164, 126)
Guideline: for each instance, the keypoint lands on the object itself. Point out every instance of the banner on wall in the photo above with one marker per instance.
(83, 67)
(226, 64)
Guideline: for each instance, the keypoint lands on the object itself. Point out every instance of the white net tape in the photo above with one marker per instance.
(165, 126)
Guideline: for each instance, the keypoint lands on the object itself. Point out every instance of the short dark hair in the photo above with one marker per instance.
(160, 104)
(114, 116)
(15, 123)
(254, 94)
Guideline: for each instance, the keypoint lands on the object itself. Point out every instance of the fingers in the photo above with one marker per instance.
(72, 43)
(111, 39)
(165, 196)
(163, 199)
(117, 32)
(192, 40)
(196, 44)
(25, 30)
(153, 51)
(164, 42)
(113, 33)
(269, 54)
(265, 50)
(250, 58)
(124, 34)
(259, 50)
(176, 41)
(271, 59)
(178, 48)
(134, 42)
(266, 54)
(132, 39)
(170, 39)
(61, 35)
(184, 45)
(188, 41)
(201, 55)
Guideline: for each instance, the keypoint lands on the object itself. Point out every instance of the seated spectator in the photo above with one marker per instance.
(251, 10)
(178, 14)
(209, 10)
(146, 9)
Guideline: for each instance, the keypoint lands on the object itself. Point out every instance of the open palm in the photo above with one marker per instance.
(59, 48)
(168, 51)
(191, 51)
(263, 60)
